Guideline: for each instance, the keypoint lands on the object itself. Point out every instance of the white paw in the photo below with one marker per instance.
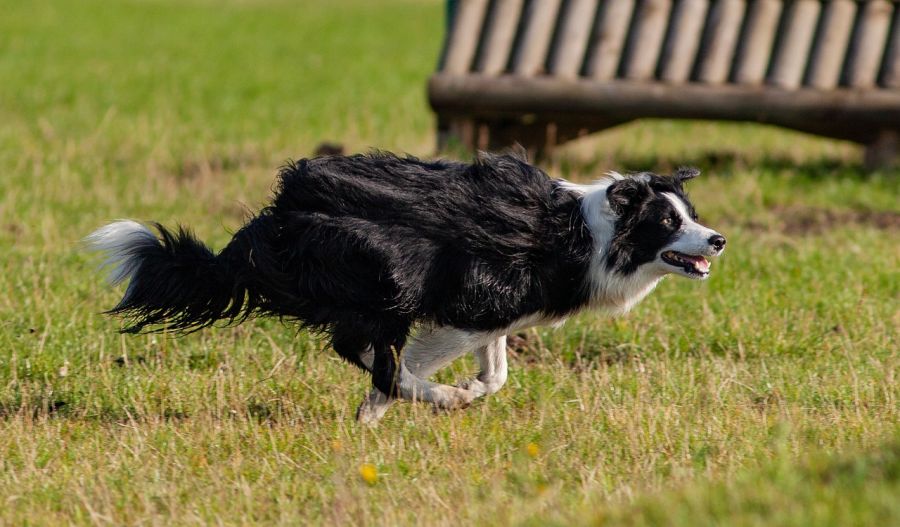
(367, 415)
(373, 408)
(479, 388)
(454, 398)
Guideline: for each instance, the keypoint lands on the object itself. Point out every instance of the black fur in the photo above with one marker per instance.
(181, 283)
(361, 247)
(639, 232)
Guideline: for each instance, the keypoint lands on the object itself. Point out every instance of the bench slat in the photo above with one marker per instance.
(718, 46)
(645, 42)
(756, 45)
(574, 33)
(869, 40)
(531, 54)
(464, 36)
(796, 39)
(609, 39)
(830, 49)
(891, 76)
(499, 34)
(683, 40)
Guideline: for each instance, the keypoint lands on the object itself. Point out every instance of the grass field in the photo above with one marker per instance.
(767, 395)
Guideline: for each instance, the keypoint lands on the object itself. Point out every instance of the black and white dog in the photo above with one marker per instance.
(369, 248)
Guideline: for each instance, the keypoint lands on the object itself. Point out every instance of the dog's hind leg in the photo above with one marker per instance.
(393, 378)
(386, 365)
(354, 348)
(413, 388)
(492, 361)
(428, 352)
(373, 407)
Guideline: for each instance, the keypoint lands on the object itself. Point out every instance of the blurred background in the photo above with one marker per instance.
(765, 395)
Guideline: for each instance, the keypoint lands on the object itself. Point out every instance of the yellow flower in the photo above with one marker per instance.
(369, 473)
(532, 450)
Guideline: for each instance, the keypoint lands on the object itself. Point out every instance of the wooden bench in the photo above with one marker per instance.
(542, 72)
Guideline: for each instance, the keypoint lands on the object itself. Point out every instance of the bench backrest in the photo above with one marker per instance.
(789, 44)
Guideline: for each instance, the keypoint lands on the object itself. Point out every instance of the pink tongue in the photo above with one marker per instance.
(700, 263)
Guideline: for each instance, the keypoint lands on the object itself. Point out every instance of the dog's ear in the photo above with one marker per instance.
(483, 157)
(685, 173)
(626, 194)
(517, 151)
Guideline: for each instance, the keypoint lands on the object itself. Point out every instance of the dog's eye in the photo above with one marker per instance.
(667, 222)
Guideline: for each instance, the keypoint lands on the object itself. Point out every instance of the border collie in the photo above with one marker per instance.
(408, 264)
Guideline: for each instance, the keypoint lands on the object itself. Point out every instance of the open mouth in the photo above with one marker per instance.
(692, 265)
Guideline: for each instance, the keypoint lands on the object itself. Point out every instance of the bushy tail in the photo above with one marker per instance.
(175, 281)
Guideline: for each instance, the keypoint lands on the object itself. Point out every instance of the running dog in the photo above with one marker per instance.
(408, 264)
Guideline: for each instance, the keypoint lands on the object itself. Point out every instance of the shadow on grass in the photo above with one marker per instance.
(68, 408)
(725, 163)
(64, 408)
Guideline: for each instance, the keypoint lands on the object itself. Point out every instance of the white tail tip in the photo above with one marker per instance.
(120, 242)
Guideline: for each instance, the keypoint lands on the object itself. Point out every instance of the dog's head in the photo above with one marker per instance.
(656, 226)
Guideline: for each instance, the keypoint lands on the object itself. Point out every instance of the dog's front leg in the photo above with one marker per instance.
(492, 361)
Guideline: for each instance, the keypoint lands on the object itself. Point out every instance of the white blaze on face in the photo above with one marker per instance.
(688, 253)
(693, 238)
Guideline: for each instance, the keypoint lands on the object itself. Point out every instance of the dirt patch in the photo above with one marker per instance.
(527, 347)
(524, 346)
(796, 220)
(196, 167)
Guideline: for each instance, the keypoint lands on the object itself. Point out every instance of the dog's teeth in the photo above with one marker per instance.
(702, 264)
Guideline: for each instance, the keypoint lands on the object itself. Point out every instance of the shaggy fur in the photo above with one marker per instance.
(366, 247)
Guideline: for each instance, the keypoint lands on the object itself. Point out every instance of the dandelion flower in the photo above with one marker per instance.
(369, 473)
(532, 450)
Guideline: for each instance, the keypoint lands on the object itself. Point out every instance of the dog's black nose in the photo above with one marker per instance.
(717, 241)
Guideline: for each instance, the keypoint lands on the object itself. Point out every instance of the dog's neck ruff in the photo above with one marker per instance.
(612, 291)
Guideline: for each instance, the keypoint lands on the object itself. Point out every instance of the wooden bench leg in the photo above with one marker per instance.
(455, 132)
(884, 152)
(539, 138)
(494, 134)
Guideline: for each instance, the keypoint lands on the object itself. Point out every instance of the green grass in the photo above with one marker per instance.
(766, 395)
(860, 489)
